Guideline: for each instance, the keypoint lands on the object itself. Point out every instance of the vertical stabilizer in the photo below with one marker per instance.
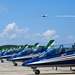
(49, 43)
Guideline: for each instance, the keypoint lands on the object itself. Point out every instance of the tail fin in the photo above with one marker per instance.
(25, 46)
(49, 43)
(19, 47)
(35, 45)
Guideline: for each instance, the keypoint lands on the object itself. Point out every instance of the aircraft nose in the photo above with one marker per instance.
(8, 59)
(24, 63)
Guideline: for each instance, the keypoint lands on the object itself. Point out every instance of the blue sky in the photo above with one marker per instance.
(21, 21)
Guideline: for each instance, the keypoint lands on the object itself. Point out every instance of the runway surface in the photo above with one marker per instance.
(7, 68)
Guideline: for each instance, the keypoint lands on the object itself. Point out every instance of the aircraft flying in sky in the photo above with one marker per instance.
(45, 15)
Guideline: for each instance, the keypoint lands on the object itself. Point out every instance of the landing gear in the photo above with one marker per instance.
(15, 64)
(36, 70)
(55, 68)
(2, 61)
(72, 69)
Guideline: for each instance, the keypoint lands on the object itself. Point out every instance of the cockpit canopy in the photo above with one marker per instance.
(57, 50)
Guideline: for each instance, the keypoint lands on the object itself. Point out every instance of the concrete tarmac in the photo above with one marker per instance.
(7, 68)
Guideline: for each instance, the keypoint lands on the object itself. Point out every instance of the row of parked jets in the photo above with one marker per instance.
(36, 56)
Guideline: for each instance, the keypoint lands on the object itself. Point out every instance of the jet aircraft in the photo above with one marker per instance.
(7, 53)
(20, 57)
(29, 53)
(44, 15)
(62, 56)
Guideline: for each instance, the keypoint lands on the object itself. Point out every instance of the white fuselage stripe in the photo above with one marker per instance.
(61, 58)
(28, 56)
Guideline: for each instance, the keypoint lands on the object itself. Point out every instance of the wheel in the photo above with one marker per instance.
(15, 64)
(72, 69)
(56, 68)
(37, 71)
(2, 60)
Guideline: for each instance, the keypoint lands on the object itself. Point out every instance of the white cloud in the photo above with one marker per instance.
(36, 35)
(65, 16)
(48, 33)
(45, 36)
(3, 9)
(70, 37)
(14, 28)
(12, 31)
(13, 36)
(10, 27)
(26, 36)
(56, 36)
